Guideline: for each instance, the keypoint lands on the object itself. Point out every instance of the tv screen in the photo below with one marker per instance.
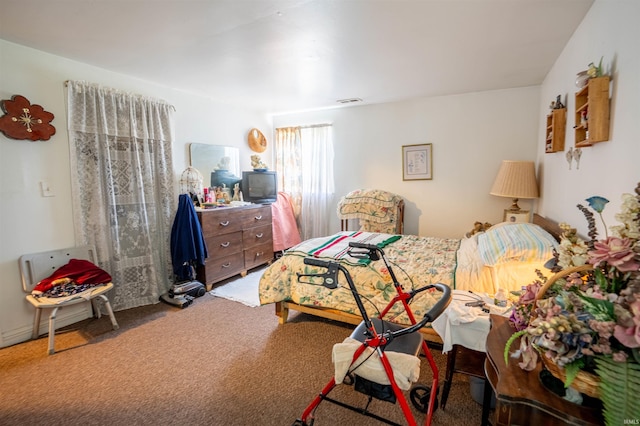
(260, 187)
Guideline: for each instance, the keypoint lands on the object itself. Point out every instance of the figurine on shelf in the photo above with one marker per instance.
(236, 192)
(558, 103)
(257, 164)
(224, 163)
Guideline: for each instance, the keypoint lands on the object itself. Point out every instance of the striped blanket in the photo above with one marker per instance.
(337, 246)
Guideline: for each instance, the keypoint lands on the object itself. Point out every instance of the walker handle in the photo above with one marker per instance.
(330, 278)
(316, 262)
(441, 304)
(433, 313)
(372, 248)
(363, 245)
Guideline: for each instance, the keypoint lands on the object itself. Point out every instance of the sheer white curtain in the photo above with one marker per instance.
(123, 187)
(304, 160)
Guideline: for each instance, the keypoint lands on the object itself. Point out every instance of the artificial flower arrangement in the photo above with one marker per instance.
(588, 321)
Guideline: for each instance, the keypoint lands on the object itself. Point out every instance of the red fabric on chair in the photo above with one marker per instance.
(285, 228)
(78, 270)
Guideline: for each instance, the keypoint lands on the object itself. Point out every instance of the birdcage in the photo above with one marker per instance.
(191, 181)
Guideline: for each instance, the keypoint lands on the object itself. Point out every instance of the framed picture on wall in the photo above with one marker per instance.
(417, 161)
(516, 216)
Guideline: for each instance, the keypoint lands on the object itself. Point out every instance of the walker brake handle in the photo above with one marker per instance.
(373, 250)
(330, 278)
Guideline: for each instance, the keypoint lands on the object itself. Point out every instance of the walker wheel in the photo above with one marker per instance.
(299, 422)
(420, 396)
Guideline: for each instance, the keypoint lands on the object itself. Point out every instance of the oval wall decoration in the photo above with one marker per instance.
(25, 121)
(257, 141)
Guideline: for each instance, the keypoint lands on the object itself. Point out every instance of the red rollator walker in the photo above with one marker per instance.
(382, 336)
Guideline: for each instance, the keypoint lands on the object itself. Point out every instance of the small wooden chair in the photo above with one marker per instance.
(37, 266)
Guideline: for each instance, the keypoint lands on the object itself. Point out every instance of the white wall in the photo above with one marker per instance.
(611, 168)
(471, 135)
(31, 223)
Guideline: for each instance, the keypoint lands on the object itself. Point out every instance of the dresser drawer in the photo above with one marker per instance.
(219, 268)
(256, 236)
(257, 255)
(224, 245)
(218, 222)
(259, 216)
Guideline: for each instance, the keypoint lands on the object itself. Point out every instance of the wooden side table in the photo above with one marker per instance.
(465, 361)
(520, 396)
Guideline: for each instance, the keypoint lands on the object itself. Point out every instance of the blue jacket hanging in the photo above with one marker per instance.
(188, 247)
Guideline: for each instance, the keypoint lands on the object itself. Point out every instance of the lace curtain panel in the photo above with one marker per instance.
(123, 187)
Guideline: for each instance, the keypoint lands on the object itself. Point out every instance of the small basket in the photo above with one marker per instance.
(561, 274)
(584, 382)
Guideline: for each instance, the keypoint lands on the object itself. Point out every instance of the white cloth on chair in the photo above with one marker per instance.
(406, 368)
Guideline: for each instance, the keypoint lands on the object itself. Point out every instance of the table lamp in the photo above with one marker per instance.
(516, 179)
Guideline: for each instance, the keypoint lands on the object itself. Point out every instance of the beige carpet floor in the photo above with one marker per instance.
(217, 362)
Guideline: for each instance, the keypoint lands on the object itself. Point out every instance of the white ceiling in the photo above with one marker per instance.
(290, 55)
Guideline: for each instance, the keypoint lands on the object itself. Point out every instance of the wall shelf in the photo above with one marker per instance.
(592, 112)
(555, 131)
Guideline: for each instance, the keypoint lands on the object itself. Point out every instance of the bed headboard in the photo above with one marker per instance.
(549, 225)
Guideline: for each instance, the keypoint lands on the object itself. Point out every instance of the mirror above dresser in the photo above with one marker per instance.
(208, 158)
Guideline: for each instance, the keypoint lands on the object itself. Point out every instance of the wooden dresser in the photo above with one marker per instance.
(237, 238)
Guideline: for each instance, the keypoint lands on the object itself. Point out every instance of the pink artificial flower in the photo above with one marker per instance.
(616, 252)
(630, 336)
(530, 292)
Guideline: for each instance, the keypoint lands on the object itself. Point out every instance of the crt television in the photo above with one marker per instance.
(260, 187)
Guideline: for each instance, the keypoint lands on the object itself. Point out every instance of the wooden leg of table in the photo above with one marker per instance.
(448, 376)
(486, 402)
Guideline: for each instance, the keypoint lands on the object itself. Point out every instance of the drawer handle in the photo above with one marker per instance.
(258, 217)
(225, 223)
(259, 235)
(260, 253)
(225, 245)
(226, 265)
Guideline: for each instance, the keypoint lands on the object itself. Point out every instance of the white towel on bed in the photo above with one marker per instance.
(406, 368)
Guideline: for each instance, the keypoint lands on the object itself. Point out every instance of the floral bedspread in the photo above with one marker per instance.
(416, 262)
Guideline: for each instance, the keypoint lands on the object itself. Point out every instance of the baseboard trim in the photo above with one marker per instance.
(64, 318)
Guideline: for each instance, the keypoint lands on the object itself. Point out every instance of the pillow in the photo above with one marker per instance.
(515, 242)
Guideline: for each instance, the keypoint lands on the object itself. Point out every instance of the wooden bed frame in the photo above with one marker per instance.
(282, 308)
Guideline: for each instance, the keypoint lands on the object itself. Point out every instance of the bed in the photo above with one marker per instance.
(506, 256)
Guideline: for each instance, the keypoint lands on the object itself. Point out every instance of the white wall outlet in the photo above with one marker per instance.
(47, 189)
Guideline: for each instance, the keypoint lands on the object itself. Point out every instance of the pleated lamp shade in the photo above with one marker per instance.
(516, 179)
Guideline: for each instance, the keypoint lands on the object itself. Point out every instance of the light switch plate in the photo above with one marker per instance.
(47, 189)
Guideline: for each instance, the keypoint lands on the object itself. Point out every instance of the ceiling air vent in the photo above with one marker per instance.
(349, 101)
